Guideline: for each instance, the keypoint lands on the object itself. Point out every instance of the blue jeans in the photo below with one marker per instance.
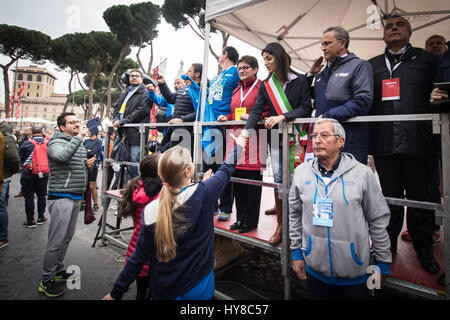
(276, 159)
(3, 212)
(135, 156)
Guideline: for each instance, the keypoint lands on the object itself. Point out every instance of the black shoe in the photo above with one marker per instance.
(29, 225)
(50, 288)
(41, 220)
(441, 279)
(236, 225)
(245, 228)
(429, 263)
(63, 276)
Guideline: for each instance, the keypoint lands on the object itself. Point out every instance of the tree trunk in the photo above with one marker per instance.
(6, 83)
(70, 95)
(111, 77)
(93, 76)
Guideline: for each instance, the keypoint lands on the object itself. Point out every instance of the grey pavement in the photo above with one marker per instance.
(21, 261)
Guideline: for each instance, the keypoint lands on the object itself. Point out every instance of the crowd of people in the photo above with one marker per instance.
(339, 220)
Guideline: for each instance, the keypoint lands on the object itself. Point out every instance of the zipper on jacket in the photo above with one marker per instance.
(329, 242)
(68, 179)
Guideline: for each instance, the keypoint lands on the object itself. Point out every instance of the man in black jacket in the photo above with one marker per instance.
(403, 81)
(133, 106)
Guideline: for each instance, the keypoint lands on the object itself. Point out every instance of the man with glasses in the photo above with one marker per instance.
(344, 89)
(68, 163)
(133, 106)
(335, 203)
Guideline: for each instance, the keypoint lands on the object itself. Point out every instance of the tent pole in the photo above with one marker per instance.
(198, 161)
(285, 250)
(445, 156)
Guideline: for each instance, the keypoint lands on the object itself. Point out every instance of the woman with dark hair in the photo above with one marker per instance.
(288, 96)
(248, 197)
(139, 192)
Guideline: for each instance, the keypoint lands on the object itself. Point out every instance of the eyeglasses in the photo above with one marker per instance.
(244, 68)
(73, 122)
(324, 136)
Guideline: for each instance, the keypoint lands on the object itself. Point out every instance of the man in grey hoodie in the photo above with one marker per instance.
(335, 206)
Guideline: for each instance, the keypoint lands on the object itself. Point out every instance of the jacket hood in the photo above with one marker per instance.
(338, 60)
(347, 163)
(150, 213)
(61, 135)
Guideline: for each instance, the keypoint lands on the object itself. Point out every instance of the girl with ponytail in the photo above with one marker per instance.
(178, 229)
(139, 192)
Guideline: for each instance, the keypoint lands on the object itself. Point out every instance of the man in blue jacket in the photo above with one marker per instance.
(344, 89)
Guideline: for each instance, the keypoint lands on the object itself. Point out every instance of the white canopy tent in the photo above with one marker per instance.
(298, 24)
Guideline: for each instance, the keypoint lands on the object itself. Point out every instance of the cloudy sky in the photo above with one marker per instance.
(58, 17)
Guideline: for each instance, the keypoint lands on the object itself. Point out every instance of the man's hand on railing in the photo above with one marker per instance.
(438, 94)
(222, 118)
(175, 120)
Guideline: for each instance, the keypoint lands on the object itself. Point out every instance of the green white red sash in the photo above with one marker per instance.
(282, 105)
(299, 138)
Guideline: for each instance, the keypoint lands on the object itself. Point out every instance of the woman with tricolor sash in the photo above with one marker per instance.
(288, 96)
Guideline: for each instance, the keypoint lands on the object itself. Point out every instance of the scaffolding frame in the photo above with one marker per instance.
(440, 124)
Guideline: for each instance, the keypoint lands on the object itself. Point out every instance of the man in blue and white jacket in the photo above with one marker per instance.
(344, 89)
(335, 206)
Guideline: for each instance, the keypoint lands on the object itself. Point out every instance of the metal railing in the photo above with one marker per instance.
(440, 124)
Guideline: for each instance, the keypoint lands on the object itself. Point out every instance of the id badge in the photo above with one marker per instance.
(40, 175)
(323, 213)
(390, 89)
(238, 112)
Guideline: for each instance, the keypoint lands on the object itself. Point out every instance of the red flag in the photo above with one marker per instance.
(161, 68)
(18, 102)
(11, 104)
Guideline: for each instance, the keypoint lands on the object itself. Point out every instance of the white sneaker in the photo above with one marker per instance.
(223, 216)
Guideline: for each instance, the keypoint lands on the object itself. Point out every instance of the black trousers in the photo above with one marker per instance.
(318, 290)
(30, 187)
(248, 197)
(401, 176)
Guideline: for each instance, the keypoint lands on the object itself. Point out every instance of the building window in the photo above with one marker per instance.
(20, 76)
(28, 94)
(29, 77)
(38, 87)
(39, 79)
(45, 109)
(28, 86)
(37, 94)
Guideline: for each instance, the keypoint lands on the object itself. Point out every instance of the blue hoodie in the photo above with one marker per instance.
(194, 261)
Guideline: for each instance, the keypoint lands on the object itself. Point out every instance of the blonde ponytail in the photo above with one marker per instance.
(171, 168)
(164, 236)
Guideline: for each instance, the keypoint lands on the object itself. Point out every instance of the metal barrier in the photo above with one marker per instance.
(440, 124)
